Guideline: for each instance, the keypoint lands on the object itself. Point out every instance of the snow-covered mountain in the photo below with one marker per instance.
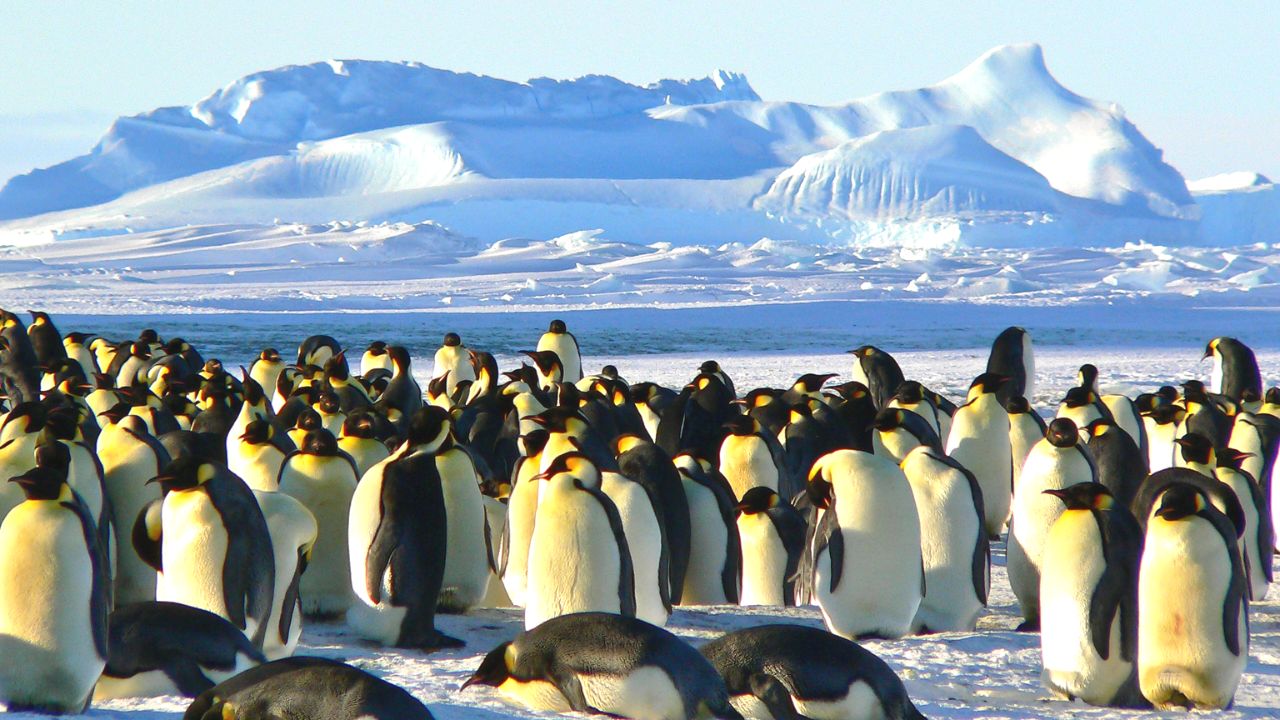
(998, 154)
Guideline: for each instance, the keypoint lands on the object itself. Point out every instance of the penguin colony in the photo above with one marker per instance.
(169, 526)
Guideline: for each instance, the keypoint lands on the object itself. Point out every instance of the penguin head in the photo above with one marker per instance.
(1232, 458)
(1194, 391)
(1179, 501)
(269, 356)
(48, 479)
(547, 361)
(1062, 433)
(742, 425)
(627, 443)
(253, 393)
(1087, 376)
(757, 500)
(1168, 393)
(889, 419)
(758, 398)
(1079, 397)
(452, 340)
(429, 427)
(309, 420)
(985, 384)
(75, 338)
(1165, 414)
(399, 357)
(1099, 428)
(1272, 396)
(852, 390)
(1211, 348)
(377, 348)
(28, 417)
(257, 432)
(866, 351)
(909, 392)
(320, 442)
(336, 368)
(117, 411)
(188, 472)
(495, 669)
(576, 464)
(561, 420)
(1084, 496)
(176, 346)
(149, 336)
(812, 382)
(1197, 448)
(532, 443)
(62, 423)
(1017, 405)
(609, 371)
(799, 412)
(140, 350)
(38, 318)
(328, 403)
(557, 327)
(359, 425)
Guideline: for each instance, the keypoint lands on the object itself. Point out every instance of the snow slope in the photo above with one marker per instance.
(999, 144)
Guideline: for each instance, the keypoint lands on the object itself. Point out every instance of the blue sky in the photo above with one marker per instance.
(1199, 79)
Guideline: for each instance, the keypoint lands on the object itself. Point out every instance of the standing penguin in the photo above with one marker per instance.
(453, 362)
(605, 664)
(210, 544)
(560, 341)
(1089, 594)
(979, 440)
(794, 671)
(323, 479)
(772, 533)
(579, 558)
(1163, 425)
(54, 598)
(715, 551)
(878, 371)
(130, 457)
(1193, 626)
(266, 369)
(953, 543)
(293, 532)
(396, 539)
(258, 454)
(1026, 428)
(750, 457)
(1235, 369)
(375, 358)
(899, 431)
(466, 566)
(651, 467)
(1122, 465)
(1012, 356)
(46, 341)
(359, 440)
(403, 397)
(1058, 461)
(869, 573)
(1258, 538)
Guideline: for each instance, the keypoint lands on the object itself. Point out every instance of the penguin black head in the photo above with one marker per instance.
(909, 392)
(270, 355)
(495, 669)
(320, 442)
(1232, 458)
(742, 425)
(62, 423)
(176, 346)
(31, 417)
(533, 442)
(988, 383)
(1249, 395)
(1168, 393)
(1272, 396)
(812, 382)
(1087, 376)
(185, 473)
(609, 371)
(309, 420)
(38, 317)
(429, 426)
(1194, 391)
(253, 394)
(1147, 402)
(75, 338)
(1197, 448)
(757, 500)
(546, 360)
(865, 351)
(116, 412)
(1079, 397)
(452, 340)
(140, 350)
(336, 366)
(560, 419)
(1017, 405)
(888, 419)
(149, 336)
(575, 463)
(257, 432)
(628, 442)
(852, 390)
(359, 425)
(819, 491)
(1085, 496)
(399, 357)
(799, 412)
(377, 348)
(557, 327)
(329, 402)
(1062, 433)
(1211, 346)
(47, 480)
(212, 368)
(1180, 501)
(1165, 414)
(759, 397)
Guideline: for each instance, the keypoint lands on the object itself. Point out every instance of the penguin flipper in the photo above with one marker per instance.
(386, 539)
(290, 603)
(99, 597)
(146, 525)
(187, 677)
(626, 570)
(566, 681)
(731, 573)
(770, 691)
(830, 538)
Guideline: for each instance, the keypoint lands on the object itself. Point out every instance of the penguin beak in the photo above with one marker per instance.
(161, 479)
(1060, 494)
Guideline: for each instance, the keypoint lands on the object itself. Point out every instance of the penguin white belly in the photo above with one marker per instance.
(535, 695)
(1215, 377)
(1245, 438)
(923, 409)
(979, 440)
(1252, 555)
(644, 540)
(859, 704)
(764, 561)
(466, 567)
(1034, 513)
(292, 527)
(1160, 446)
(1181, 589)
(16, 457)
(745, 461)
(645, 693)
(257, 465)
(709, 536)
(522, 510)
(193, 554)
(1073, 564)
(128, 463)
(325, 486)
(564, 346)
(46, 581)
(650, 419)
(949, 527)
(1024, 433)
(573, 559)
(367, 452)
(495, 513)
(378, 621)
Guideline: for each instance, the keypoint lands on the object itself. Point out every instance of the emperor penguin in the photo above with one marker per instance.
(772, 533)
(1258, 538)
(715, 550)
(869, 576)
(130, 458)
(646, 463)
(266, 369)
(1089, 599)
(19, 434)
(1193, 627)
(316, 350)
(795, 671)
(560, 341)
(76, 346)
(640, 514)
(1258, 436)
(1026, 428)
(466, 567)
(1082, 406)
(979, 440)
(1058, 461)
(1163, 425)
(953, 543)
(1235, 369)
(1126, 416)
(46, 341)
(375, 357)
(84, 471)
(911, 396)
(1122, 465)
(522, 508)
(396, 539)
(293, 531)
(359, 440)
(258, 454)
(402, 398)
(1012, 356)
(579, 558)
(323, 479)
(453, 362)
(549, 368)
(878, 371)
(210, 545)
(163, 648)
(54, 598)
(899, 431)
(751, 457)
(306, 687)
(604, 663)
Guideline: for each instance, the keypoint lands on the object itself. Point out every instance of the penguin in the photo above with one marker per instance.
(1012, 356)
(258, 454)
(1193, 626)
(1026, 428)
(351, 395)
(795, 671)
(772, 533)
(1235, 369)
(19, 436)
(466, 567)
(1204, 415)
(130, 457)
(695, 419)
(316, 350)
(453, 362)
(306, 687)
(868, 566)
(62, 443)
(75, 345)
(293, 530)
(1089, 592)
(1163, 425)
(1196, 452)
(210, 545)
(1220, 495)
(715, 551)
(560, 341)
(605, 664)
(375, 357)
(803, 440)
(640, 515)
(359, 440)
(1058, 461)
(853, 404)
(911, 396)
(750, 457)
(309, 421)
(979, 440)
(549, 368)
(54, 598)
(396, 537)
(649, 400)
(1126, 416)
(323, 479)
(403, 397)
(522, 508)
(164, 648)
(900, 431)
(1258, 538)
(1082, 406)
(878, 371)
(266, 369)
(46, 341)
(579, 557)
(651, 467)
(1257, 435)
(1122, 465)
(953, 542)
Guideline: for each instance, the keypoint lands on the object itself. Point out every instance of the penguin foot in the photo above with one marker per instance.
(1029, 626)
(431, 641)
